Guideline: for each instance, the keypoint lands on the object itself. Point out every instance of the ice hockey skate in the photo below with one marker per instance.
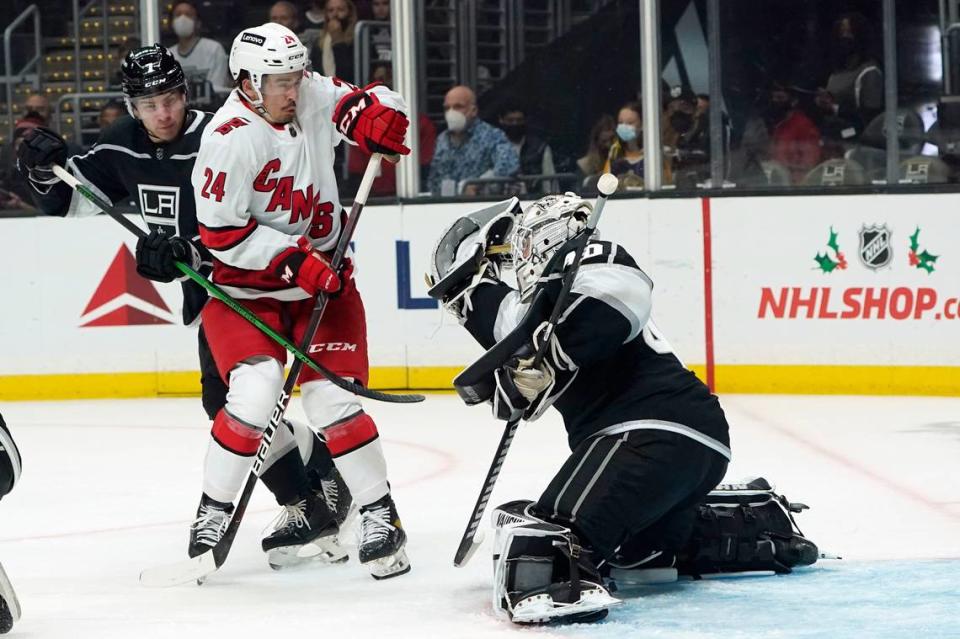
(9, 606)
(211, 522)
(304, 531)
(339, 500)
(382, 540)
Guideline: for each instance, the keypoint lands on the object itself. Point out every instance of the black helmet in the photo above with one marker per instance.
(150, 70)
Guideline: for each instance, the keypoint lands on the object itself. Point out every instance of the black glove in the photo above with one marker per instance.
(41, 148)
(157, 252)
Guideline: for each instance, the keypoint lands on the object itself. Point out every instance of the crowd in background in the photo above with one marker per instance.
(798, 131)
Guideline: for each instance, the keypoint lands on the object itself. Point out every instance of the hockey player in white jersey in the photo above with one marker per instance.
(268, 208)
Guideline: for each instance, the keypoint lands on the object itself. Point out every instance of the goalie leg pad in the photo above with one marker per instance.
(746, 527)
(543, 575)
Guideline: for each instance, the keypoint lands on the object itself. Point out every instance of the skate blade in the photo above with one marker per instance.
(325, 550)
(391, 566)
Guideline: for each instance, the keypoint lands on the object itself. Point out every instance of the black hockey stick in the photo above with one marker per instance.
(218, 293)
(469, 542)
(206, 563)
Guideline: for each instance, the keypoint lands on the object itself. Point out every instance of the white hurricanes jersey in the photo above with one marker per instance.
(259, 187)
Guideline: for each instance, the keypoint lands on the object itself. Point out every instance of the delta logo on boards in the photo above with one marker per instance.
(884, 301)
(123, 298)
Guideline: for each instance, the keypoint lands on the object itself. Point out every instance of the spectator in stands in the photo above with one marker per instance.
(110, 112)
(38, 104)
(794, 138)
(285, 13)
(591, 165)
(386, 184)
(381, 39)
(536, 156)
(853, 95)
(626, 153)
(204, 60)
(314, 20)
(469, 148)
(14, 192)
(686, 137)
(332, 53)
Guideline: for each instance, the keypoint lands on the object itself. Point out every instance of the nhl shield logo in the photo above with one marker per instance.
(875, 249)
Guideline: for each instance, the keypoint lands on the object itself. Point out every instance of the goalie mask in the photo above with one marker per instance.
(546, 225)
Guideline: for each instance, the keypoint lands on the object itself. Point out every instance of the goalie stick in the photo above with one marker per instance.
(470, 540)
(218, 293)
(199, 567)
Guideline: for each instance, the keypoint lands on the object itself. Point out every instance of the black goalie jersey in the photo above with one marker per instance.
(625, 375)
(126, 165)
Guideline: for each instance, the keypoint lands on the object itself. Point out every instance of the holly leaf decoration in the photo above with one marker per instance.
(914, 240)
(825, 263)
(926, 261)
(833, 241)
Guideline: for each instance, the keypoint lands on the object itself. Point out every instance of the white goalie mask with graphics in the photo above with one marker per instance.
(542, 229)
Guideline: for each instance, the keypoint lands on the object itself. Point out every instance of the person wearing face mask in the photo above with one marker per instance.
(853, 94)
(203, 60)
(794, 138)
(625, 159)
(469, 148)
(536, 156)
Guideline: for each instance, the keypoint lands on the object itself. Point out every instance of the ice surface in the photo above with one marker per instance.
(109, 487)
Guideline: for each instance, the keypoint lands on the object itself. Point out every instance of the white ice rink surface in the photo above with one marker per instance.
(109, 487)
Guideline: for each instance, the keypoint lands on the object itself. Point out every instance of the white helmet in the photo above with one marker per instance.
(542, 229)
(269, 48)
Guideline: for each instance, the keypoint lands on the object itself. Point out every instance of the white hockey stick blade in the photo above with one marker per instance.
(182, 572)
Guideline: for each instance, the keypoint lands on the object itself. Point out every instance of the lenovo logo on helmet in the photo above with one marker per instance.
(253, 38)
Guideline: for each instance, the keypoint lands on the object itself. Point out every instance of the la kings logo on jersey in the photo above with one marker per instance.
(160, 204)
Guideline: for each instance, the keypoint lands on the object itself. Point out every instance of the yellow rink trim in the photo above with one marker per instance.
(795, 379)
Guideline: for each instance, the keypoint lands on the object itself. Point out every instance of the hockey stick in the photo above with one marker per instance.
(469, 542)
(206, 563)
(218, 293)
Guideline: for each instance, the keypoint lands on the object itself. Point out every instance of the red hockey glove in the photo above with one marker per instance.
(309, 269)
(375, 127)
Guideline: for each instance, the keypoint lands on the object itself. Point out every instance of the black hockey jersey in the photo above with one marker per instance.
(125, 164)
(626, 375)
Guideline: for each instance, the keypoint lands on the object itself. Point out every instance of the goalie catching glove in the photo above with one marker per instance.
(311, 270)
(469, 253)
(375, 127)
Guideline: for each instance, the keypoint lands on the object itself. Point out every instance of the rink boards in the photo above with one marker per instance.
(852, 294)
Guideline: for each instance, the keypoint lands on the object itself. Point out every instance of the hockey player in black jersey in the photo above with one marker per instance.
(148, 156)
(9, 475)
(649, 441)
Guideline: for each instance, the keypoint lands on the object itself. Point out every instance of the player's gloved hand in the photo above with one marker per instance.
(531, 382)
(40, 149)
(375, 127)
(157, 254)
(309, 269)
